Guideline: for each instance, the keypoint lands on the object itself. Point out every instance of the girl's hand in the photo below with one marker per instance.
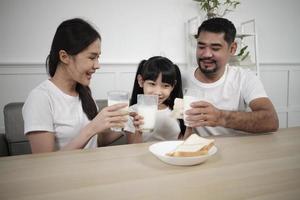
(137, 120)
(111, 116)
(136, 137)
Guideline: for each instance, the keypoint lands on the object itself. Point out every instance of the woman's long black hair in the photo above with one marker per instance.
(150, 70)
(74, 36)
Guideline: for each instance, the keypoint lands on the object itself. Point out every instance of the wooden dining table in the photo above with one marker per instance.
(257, 166)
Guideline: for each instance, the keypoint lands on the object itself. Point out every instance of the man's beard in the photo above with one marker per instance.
(203, 69)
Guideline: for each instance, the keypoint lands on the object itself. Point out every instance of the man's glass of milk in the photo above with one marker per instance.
(115, 97)
(147, 107)
(190, 95)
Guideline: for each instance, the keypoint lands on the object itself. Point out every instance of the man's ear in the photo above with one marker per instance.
(233, 48)
(64, 57)
(140, 80)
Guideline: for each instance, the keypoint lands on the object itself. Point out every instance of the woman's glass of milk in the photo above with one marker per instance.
(115, 97)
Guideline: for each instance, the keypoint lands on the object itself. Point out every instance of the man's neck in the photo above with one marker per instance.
(208, 78)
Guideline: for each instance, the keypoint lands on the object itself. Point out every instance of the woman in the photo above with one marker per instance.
(60, 114)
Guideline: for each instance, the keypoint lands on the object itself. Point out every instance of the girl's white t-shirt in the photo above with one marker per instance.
(49, 109)
(166, 127)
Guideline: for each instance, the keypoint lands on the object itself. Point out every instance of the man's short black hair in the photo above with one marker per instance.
(219, 25)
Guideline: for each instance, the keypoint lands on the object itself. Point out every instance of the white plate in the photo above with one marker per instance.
(161, 148)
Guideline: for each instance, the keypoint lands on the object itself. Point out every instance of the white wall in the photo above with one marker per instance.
(131, 29)
(136, 29)
(278, 27)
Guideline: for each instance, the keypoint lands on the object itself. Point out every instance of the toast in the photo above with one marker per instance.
(177, 111)
(194, 145)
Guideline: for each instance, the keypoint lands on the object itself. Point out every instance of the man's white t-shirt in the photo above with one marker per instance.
(166, 127)
(47, 108)
(233, 92)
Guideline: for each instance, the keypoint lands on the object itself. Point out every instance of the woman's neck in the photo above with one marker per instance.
(64, 82)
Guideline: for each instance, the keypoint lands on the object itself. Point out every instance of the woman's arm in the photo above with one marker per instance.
(136, 137)
(111, 116)
(41, 141)
(107, 137)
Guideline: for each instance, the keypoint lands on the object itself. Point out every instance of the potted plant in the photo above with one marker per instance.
(217, 8)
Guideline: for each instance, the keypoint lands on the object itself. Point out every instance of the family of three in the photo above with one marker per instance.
(61, 114)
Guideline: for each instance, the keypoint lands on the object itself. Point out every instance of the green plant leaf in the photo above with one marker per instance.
(245, 56)
(242, 51)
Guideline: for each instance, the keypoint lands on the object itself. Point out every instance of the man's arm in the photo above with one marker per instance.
(262, 118)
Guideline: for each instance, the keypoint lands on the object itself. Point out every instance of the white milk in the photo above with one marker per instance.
(113, 102)
(187, 100)
(149, 114)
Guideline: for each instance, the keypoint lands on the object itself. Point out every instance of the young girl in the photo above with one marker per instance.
(157, 76)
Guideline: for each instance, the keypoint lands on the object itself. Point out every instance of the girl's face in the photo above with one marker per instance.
(157, 87)
(85, 63)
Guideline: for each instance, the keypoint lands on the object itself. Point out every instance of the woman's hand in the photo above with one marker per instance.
(111, 116)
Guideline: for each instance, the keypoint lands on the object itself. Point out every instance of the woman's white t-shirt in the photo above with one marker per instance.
(166, 127)
(47, 108)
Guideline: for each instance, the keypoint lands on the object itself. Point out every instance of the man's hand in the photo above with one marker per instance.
(203, 113)
(261, 118)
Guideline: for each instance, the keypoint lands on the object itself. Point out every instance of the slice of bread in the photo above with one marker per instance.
(194, 145)
(177, 111)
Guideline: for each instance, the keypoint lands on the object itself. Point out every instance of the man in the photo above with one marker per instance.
(229, 91)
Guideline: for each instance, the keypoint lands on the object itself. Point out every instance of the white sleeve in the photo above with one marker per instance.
(252, 88)
(37, 113)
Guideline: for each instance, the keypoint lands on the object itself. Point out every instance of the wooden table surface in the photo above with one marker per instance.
(263, 166)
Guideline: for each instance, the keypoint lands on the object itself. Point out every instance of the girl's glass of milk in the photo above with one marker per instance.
(115, 97)
(190, 96)
(147, 107)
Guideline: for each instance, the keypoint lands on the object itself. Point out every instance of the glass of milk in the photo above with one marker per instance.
(190, 96)
(147, 107)
(115, 97)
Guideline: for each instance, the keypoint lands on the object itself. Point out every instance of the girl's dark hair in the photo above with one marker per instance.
(74, 36)
(150, 70)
